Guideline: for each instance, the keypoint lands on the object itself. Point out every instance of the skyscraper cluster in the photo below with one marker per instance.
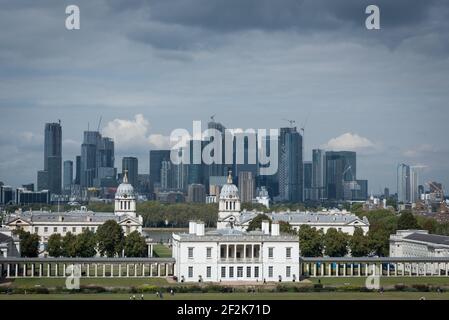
(330, 175)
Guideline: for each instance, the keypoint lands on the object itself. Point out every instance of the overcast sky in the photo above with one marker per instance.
(148, 67)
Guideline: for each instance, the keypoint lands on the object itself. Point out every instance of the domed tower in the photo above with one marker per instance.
(125, 200)
(228, 205)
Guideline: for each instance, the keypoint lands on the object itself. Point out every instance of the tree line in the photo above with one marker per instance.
(109, 240)
(334, 243)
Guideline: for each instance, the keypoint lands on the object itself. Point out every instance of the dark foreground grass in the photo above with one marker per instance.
(239, 296)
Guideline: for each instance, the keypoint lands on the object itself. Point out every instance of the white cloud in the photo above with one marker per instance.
(129, 134)
(349, 141)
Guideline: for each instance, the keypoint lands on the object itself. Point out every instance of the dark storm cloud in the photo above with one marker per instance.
(180, 60)
(400, 20)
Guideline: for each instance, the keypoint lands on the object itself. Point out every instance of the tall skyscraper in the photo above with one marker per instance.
(166, 175)
(318, 174)
(403, 183)
(217, 169)
(77, 180)
(245, 153)
(196, 193)
(307, 180)
(247, 186)
(131, 164)
(51, 177)
(68, 176)
(97, 160)
(156, 158)
(341, 172)
(291, 177)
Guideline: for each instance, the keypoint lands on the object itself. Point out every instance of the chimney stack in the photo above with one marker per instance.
(275, 231)
(200, 228)
(266, 227)
(192, 227)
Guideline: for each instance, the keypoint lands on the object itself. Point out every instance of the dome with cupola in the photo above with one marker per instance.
(125, 189)
(125, 200)
(229, 190)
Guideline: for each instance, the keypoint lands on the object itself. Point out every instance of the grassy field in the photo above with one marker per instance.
(240, 296)
(162, 251)
(384, 281)
(128, 282)
(106, 282)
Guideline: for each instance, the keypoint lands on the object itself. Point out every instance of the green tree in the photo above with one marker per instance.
(310, 241)
(407, 221)
(69, 245)
(85, 244)
(54, 245)
(335, 243)
(359, 244)
(379, 242)
(29, 244)
(110, 239)
(135, 245)
(256, 223)
(286, 227)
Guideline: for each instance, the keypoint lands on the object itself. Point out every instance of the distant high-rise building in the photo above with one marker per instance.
(291, 177)
(245, 153)
(52, 178)
(217, 169)
(77, 180)
(131, 164)
(271, 182)
(6, 195)
(340, 168)
(318, 174)
(68, 175)
(307, 180)
(28, 187)
(403, 183)
(166, 175)
(196, 193)
(414, 184)
(97, 160)
(247, 186)
(156, 158)
(386, 193)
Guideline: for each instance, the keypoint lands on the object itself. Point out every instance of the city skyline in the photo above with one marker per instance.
(380, 94)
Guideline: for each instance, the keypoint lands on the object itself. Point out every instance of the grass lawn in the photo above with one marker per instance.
(106, 282)
(384, 281)
(162, 251)
(239, 296)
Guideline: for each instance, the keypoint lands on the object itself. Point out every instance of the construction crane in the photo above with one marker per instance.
(99, 123)
(292, 122)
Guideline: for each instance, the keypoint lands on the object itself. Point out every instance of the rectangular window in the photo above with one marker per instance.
(190, 272)
(73, 229)
(55, 229)
(64, 229)
(209, 272)
(231, 272)
(45, 229)
(288, 271)
(270, 253)
(190, 253)
(36, 229)
(256, 272)
(248, 272)
(209, 253)
(239, 272)
(288, 252)
(223, 272)
(270, 272)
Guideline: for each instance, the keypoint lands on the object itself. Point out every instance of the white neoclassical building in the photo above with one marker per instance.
(45, 223)
(232, 254)
(418, 243)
